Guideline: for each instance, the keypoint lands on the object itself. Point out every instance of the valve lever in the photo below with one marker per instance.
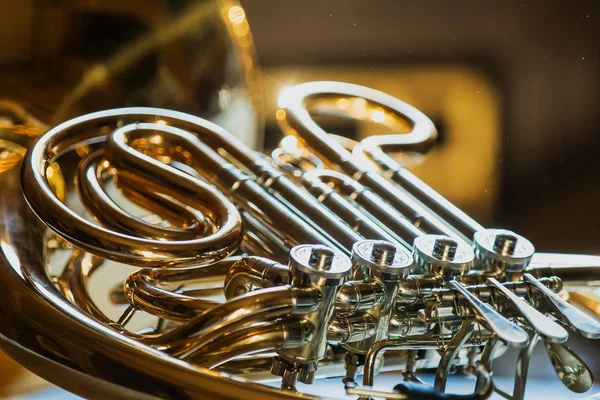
(565, 312)
(570, 368)
(507, 331)
(545, 327)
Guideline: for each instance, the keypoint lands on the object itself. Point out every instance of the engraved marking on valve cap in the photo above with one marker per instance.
(442, 254)
(320, 260)
(503, 248)
(380, 255)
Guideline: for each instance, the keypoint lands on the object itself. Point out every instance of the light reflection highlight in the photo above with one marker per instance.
(11, 257)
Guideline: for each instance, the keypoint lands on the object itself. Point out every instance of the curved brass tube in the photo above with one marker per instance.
(242, 190)
(150, 290)
(73, 283)
(254, 271)
(186, 340)
(294, 118)
(202, 319)
(265, 336)
(212, 322)
(90, 184)
(196, 279)
(121, 246)
(143, 293)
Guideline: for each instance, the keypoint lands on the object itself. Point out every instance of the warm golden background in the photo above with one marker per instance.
(513, 86)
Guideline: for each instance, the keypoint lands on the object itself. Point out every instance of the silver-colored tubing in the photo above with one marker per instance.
(424, 342)
(403, 229)
(358, 295)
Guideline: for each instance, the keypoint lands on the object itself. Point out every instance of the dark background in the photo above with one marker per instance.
(543, 55)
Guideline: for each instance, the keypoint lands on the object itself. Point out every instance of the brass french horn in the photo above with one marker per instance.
(311, 263)
(151, 253)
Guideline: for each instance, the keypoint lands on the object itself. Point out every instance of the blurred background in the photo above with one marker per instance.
(513, 88)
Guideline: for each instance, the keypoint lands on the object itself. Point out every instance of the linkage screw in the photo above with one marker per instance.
(321, 258)
(444, 249)
(505, 243)
(383, 253)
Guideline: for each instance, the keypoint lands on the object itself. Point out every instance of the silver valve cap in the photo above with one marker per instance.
(381, 256)
(501, 249)
(319, 261)
(442, 255)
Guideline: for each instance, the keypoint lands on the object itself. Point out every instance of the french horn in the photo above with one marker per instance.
(232, 274)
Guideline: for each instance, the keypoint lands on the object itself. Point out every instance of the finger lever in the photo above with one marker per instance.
(565, 312)
(545, 327)
(508, 332)
(570, 368)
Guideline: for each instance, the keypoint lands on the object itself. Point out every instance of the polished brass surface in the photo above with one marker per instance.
(236, 268)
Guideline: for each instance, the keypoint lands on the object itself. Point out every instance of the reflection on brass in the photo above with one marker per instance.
(17, 130)
(569, 367)
(152, 253)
